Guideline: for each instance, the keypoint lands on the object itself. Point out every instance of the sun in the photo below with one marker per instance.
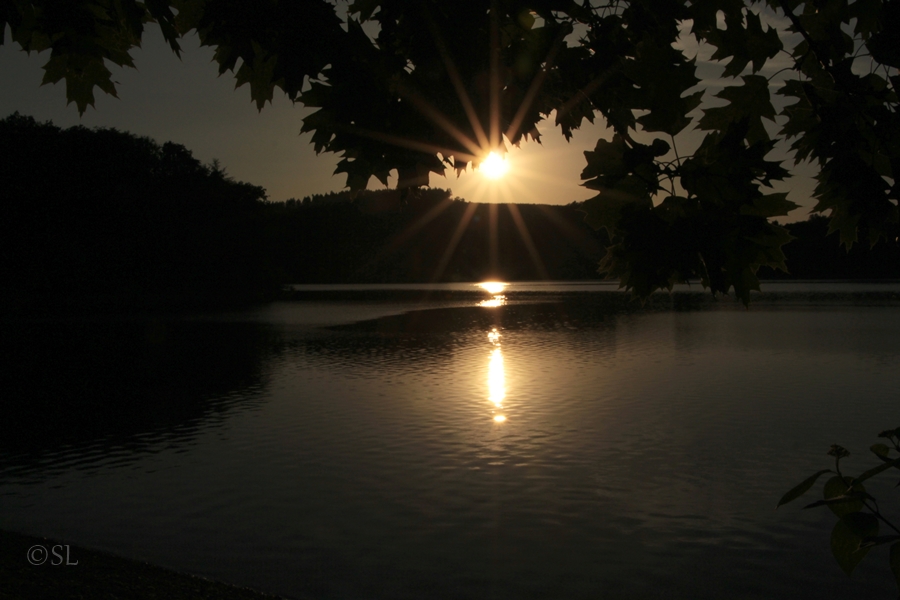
(494, 166)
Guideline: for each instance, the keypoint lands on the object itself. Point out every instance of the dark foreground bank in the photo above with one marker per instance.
(98, 576)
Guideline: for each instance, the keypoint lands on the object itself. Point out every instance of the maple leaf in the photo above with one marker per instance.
(259, 75)
(744, 45)
(749, 102)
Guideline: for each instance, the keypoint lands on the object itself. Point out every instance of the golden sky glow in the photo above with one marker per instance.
(537, 173)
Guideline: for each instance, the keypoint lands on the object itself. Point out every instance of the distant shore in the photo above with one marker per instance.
(98, 575)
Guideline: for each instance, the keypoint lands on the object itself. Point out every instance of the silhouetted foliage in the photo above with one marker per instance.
(861, 524)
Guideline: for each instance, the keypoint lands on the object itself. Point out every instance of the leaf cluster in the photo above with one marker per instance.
(277, 43)
(860, 519)
(716, 223)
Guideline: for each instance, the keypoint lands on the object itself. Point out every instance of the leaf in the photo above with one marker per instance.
(607, 158)
(258, 75)
(660, 95)
(769, 246)
(670, 116)
(745, 282)
(526, 19)
(660, 147)
(750, 101)
(876, 470)
(705, 13)
(883, 48)
(837, 488)
(744, 44)
(604, 210)
(761, 45)
(845, 540)
(358, 173)
(880, 449)
(867, 16)
(844, 499)
(623, 175)
(801, 488)
(771, 205)
(54, 70)
(190, 13)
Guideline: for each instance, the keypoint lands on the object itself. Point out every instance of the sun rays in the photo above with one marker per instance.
(516, 185)
(488, 167)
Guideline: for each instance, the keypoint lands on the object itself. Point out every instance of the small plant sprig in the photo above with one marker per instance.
(859, 517)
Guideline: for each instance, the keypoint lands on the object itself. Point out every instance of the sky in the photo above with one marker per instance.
(185, 101)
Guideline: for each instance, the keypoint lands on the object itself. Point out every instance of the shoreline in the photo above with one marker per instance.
(100, 575)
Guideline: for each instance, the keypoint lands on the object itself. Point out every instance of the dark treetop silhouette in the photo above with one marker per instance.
(115, 220)
(419, 87)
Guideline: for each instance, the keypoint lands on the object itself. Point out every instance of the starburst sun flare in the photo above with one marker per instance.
(494, 166)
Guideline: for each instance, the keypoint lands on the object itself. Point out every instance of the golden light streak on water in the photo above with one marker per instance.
(496, 378)
(493, 302)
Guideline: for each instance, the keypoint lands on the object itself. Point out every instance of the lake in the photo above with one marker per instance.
(550, 440)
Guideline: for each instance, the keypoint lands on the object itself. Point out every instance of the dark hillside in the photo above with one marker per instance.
(105, 218)
(817, 255)
(433, 238)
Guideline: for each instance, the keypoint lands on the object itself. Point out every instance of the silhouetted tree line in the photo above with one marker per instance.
(332, 239)
(815, 254)
(104, 218)
(430, 236)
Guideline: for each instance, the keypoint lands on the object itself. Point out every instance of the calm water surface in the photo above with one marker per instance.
(553, 443)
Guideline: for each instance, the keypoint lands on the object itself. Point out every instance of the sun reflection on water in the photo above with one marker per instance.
(494, 288)
(494, 302)
(496, 376)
